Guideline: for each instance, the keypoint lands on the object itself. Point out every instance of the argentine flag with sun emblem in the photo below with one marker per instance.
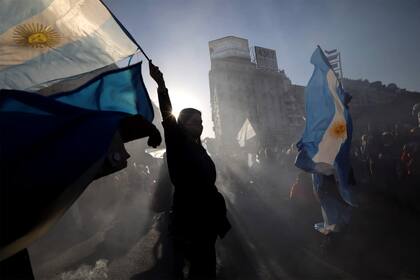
(45, 41)
(55, 141)
(325, 145)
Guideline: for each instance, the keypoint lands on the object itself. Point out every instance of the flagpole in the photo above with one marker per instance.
(126, 31)
(341, 65)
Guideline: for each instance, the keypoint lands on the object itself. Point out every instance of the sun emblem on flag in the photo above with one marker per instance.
(36, 35)
(338, 129)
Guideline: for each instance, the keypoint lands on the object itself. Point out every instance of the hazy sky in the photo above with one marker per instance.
(378, 39)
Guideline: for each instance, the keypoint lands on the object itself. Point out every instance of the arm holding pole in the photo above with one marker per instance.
(164, 100)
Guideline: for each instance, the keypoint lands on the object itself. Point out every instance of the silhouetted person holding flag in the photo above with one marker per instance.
(198, 212)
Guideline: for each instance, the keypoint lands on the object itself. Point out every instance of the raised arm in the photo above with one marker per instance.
(164, 100)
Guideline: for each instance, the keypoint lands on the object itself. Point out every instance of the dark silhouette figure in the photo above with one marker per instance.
(198, 213)
(16, 267)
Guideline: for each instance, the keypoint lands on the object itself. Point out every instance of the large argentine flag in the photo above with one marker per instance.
(44, 41)
(325, 145)
(52, 147)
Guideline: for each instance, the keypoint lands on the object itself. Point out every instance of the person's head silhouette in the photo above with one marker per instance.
(190, 120)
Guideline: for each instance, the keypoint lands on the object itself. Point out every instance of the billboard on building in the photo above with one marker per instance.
(230, 46)
(266, 58)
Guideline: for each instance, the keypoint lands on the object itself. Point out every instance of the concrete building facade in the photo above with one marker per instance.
(251, 87)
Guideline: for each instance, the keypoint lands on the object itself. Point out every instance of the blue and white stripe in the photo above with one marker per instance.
(89, 38)
(325, 145)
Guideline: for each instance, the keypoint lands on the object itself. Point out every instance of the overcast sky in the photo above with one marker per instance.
(378, 39)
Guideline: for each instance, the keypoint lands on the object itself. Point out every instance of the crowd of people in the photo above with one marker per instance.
(388, 163)
(385, 163)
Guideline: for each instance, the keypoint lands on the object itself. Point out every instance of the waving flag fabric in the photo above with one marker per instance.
(44, 41)
(52, 147)
(333, 57)
(325, 145)
(331, 51)
(245, 133)
(120, 90)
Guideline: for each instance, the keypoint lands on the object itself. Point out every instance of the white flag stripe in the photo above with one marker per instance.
(66, 39)
(329, 146)
(72, 20)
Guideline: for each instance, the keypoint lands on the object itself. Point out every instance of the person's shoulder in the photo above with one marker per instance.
(173, 131)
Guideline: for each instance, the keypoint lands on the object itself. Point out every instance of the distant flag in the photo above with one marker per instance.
(332, 57)
(45, 41)
(331, 51)
(325, 145)
(334, 65)
(246, 133)
(52, 147)
(156, 153)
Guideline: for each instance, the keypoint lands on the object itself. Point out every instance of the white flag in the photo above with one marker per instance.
(245, 133)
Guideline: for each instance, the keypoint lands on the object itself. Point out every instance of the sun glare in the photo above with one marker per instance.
(182, 99)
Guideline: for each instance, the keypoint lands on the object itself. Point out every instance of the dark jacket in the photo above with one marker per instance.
(198, 207)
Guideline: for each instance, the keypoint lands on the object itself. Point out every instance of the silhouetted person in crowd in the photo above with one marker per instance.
(362, 166)
(415, 113)
(198, 211)
(302, 192)
(410, 164)
(386, 164)
(335, 211)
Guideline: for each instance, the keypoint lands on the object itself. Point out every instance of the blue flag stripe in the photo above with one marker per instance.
(120, 90)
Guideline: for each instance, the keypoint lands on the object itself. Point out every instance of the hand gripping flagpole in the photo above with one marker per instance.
(126, 31)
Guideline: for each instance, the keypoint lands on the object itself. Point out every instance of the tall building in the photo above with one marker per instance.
(247, 84)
